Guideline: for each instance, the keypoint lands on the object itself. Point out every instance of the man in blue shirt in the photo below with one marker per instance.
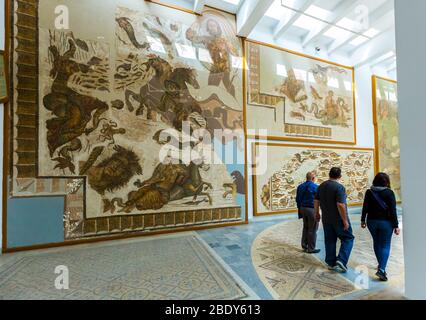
(305, 204)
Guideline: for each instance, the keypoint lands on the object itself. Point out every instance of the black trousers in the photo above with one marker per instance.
(310, 229)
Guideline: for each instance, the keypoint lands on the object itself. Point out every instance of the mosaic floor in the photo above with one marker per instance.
(171, 267)
(260, 260)
(234, 245)
(288, 272)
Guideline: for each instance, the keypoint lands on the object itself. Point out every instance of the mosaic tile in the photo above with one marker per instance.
(171, 267)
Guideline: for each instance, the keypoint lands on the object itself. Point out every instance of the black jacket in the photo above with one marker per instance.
(373, 210)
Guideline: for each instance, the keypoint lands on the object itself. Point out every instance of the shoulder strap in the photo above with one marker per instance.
(379, 200)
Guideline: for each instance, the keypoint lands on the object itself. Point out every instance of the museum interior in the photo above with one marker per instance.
(205, 119)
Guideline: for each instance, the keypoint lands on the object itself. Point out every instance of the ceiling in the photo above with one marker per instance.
(355, 32)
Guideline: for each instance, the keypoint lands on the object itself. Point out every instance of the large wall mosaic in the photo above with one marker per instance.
(94, 108)
(281, 168)
(297, 97)
(386, 123)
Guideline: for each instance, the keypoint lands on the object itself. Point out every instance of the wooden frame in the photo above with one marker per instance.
(170, 6)
(159, 2)
(374, 79)
(254, 177)
(4, 79)
(6, 124)
(7, 154)
(308, 140)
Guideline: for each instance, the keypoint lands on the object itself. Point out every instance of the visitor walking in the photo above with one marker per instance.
(331, 198)
(305, 204)
(380, 212)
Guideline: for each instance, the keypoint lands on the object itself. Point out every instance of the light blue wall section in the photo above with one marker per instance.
(33, 221)
(233, 156)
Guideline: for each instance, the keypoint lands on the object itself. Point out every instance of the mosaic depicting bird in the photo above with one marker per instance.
(239, 182)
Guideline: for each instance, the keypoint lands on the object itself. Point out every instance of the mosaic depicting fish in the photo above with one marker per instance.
(276, 189)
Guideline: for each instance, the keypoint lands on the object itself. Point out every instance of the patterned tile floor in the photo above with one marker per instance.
(179, 266)
(233, 246)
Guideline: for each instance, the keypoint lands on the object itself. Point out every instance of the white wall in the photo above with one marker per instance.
(411, 48)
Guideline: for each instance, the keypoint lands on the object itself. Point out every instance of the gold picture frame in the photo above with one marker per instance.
(374, 81)
(4, 92)
(258, 213)
(295, 138)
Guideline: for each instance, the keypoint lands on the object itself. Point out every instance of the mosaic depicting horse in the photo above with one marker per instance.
(71, 110)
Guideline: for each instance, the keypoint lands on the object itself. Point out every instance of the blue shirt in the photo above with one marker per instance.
(306, 194)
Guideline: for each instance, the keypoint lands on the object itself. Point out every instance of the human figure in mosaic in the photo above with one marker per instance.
(221, 51)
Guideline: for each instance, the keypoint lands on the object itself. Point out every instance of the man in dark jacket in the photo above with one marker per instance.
(305, 205)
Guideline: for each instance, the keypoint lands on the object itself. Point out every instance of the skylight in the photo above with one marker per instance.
(359, 40)
(371, 33)
(347, 24)
(277, 11)
(337, 33)
(308, 23)
(318, 12)
(236, 2)
(387, 55)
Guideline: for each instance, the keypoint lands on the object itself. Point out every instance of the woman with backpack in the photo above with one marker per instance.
(382, 220)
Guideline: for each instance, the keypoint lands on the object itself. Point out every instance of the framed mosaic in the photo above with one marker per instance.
(386, 129)
(278, 169)
(121, 118)
(298, 97)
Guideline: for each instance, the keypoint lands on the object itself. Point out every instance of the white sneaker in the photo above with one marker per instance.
(331, 268)
(341, 267)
